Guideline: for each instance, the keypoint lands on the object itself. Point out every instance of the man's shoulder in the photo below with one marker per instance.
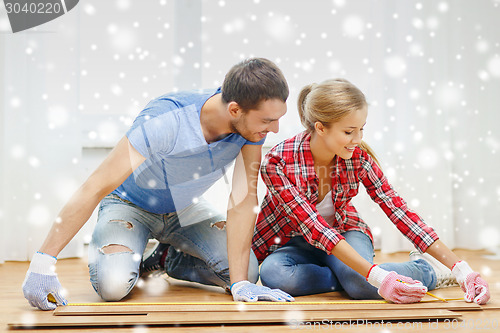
(176, 105)
(181, 99)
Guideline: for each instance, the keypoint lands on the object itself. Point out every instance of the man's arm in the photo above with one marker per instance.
(113, 171)
(41, 280)
(241, 214)
(240, 224)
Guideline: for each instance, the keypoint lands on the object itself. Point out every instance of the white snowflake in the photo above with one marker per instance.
(280, 28)
(395, 66)
(428, 158)
(494, 66)
(123, 4)
(353, 26)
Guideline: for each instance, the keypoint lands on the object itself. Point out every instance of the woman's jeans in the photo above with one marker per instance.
(299, 268)
(197, 252)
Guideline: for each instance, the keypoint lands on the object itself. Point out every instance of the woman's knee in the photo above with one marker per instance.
(356, 286)
(275, 274)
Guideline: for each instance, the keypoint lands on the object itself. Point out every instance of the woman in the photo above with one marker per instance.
(309, 237)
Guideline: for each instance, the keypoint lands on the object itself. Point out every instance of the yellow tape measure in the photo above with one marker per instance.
(224, 303)
(248, 303)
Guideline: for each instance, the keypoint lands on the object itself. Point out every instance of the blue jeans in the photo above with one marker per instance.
(299, 268)
(198, 252)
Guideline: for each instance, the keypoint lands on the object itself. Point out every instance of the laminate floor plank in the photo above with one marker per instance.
(74, 277)
(245, 307)
(225, 317)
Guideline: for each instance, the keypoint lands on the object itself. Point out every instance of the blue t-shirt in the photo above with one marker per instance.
(180, 166)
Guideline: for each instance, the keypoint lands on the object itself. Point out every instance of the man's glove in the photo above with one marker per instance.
(245, 291)
(41, 282)
(394, 287)
(475, 288)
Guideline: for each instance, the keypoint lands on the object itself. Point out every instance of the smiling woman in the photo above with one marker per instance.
(309, 236)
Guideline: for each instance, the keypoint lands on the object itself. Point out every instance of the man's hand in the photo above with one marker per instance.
(394, 287)
(41, 282)
(475, 288)
(245, 291)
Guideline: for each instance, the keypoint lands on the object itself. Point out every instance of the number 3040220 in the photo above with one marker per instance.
(33, 8)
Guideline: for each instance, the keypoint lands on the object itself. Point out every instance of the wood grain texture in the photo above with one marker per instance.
(225, 317)
(74, 277)
(240, 307)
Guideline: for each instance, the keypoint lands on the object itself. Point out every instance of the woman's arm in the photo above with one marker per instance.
(442, 253)
(349, 256)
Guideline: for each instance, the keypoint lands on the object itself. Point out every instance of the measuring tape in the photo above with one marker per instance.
(224, 303)
(249, 303)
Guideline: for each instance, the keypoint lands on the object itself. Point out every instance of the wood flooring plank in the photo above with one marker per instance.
(225, 317)
(493, 304)
(239, 307)
(73, 274)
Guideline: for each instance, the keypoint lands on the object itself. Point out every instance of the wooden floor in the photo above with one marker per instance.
(73, 275)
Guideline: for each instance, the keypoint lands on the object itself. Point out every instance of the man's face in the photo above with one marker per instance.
(254, 124)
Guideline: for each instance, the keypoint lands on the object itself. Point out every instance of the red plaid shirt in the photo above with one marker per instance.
(289, 207)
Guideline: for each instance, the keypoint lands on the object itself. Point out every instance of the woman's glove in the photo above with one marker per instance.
(41, 281)
(475, 288)
(394, 287)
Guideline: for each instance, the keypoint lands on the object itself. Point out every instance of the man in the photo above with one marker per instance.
(151, 184)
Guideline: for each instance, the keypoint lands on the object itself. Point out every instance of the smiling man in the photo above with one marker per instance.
(150, 186)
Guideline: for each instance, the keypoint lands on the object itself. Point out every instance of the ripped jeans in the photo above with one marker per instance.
(198, 252)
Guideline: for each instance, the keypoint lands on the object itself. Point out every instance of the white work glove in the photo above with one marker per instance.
(475, 288)
(245, 291)
(394, 287)
(41, 281)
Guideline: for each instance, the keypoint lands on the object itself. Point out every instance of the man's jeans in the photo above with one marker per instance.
(198, 252)
(299, 268)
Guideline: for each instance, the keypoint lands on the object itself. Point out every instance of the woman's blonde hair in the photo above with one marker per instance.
(328, 102)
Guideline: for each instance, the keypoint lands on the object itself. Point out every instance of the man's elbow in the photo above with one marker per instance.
(242, 202)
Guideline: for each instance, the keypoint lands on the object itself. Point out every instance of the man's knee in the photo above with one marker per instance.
(115, 272)
(115, 287)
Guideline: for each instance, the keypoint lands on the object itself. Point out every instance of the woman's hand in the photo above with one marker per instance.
(394, 287)
(476, 289)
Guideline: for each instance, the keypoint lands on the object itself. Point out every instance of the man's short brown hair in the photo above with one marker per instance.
(252, 81)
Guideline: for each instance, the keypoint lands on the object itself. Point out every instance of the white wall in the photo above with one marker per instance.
(430, 70)
(41, 141)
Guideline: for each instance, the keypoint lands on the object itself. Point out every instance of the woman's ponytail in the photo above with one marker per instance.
(363, 145)
(301, 106)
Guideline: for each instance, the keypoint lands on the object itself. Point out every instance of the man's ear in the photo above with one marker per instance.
(234, 109)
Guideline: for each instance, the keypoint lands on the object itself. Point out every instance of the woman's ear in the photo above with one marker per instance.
(319, 128)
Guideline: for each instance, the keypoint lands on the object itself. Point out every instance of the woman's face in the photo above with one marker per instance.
(343, 136)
